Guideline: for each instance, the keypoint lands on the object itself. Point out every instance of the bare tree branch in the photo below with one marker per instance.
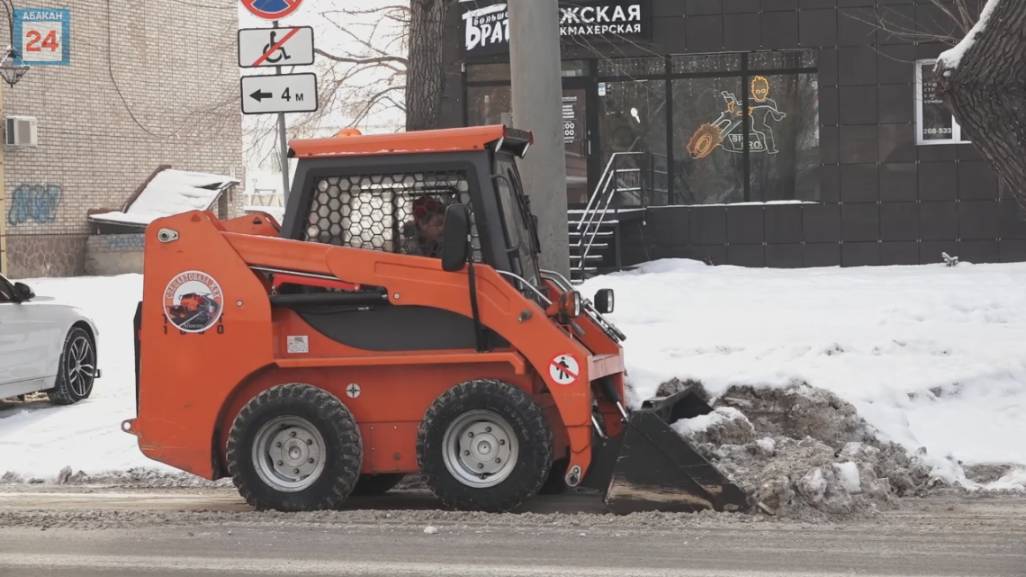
(357, 60)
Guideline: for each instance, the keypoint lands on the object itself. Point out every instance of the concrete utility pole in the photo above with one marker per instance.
(3, 192)
(537, 102)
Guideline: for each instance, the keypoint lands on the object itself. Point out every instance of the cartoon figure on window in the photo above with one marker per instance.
(727, 131)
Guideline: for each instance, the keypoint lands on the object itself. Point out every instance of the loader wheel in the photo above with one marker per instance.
(371, 485)
(555, 484)
(484, 445)
(294, 448)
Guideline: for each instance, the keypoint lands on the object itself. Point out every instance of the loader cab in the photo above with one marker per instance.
(365, 192)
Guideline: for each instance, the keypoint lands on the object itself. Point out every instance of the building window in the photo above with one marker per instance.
(489, 105)
(632, 67)
(709, 166)
(488, 72)
(934, 122)
(694, 128)
(745, 128)
(632, 121)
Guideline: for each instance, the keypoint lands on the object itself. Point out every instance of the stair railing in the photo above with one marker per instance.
(610, 186)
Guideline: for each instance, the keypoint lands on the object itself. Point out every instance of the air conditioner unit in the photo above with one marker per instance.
(21, 131)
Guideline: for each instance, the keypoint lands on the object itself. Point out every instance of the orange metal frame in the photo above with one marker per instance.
(192, 386)
(444, 140)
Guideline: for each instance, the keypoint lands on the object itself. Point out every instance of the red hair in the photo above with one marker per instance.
(426, 206)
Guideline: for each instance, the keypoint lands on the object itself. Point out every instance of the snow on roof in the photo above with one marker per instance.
(171, 192)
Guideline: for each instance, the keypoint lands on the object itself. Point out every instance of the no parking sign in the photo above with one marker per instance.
(272, 9)
(42, 36)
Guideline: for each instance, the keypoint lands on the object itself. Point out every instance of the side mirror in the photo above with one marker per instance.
(604, 301)
(22, 292)
(456, 241)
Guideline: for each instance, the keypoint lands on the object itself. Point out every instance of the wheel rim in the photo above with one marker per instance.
(480, 449)
(80, 366)
(289, 453)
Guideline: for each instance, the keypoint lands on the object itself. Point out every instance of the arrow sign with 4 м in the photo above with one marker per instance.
(280, 93)
(276, 47)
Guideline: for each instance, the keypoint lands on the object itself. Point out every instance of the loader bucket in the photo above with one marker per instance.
(658, 470)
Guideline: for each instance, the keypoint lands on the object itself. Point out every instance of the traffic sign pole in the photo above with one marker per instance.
(279, 92)
(284, 148)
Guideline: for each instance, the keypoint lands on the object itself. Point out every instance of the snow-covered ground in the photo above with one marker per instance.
(932, 356)
(36, 439)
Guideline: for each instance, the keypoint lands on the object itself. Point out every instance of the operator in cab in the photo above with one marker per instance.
(424, 233)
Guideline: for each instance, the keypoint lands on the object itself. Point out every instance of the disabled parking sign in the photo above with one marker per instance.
(42, 36)
(271, 9)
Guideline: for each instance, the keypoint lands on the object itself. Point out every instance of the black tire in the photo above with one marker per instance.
(371, 485)
(556, 484)
(342, 453)
(76, 370)
(534, 446)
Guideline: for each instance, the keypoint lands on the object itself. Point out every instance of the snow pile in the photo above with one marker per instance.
(929, 356)
(723, 425)
(38, 440)
(171, 192)
(803, 452)
(933, 358)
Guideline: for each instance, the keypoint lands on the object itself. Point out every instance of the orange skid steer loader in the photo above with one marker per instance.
(361, 341)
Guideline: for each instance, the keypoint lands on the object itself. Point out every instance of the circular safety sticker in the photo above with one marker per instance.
(564, 369)
(193, 301)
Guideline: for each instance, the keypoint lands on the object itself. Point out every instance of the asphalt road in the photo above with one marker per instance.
(133, 532)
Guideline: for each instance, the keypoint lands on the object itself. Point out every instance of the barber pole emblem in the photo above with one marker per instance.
(564, 369)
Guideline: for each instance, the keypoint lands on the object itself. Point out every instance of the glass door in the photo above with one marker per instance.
(576, 137)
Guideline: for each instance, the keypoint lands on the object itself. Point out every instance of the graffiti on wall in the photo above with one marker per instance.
(34, 203)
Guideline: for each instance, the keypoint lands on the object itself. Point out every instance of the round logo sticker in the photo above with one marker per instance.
(564, 369)
(193, 301)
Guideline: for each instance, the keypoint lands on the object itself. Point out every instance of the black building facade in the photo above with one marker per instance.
(779, 133)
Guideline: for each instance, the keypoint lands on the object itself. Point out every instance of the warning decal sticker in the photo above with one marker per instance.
(564, 369)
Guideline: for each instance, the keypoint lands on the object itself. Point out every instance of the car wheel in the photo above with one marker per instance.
(484, 445)
(294, 448)
(76, 371)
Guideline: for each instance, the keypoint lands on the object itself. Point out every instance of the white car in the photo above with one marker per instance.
(44, 346)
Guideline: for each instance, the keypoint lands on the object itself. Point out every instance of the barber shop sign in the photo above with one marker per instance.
(486, 25)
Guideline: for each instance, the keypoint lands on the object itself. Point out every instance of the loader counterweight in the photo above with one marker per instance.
(357, 300)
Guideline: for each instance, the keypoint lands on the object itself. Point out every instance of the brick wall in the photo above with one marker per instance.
(176, 68)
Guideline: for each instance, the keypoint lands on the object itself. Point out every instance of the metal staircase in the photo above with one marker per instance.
(595, 239)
